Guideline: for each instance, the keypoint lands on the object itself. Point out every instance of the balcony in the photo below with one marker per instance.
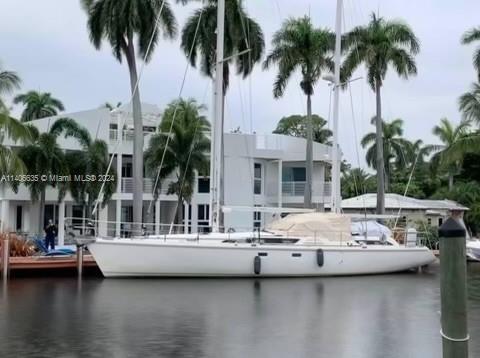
(127, 134)
(127, 185)
(297, 189)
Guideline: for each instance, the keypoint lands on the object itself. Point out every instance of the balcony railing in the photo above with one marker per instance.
(127, 185)
(297, 188)
(127, 134)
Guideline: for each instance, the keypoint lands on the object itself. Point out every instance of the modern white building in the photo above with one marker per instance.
(260, 170)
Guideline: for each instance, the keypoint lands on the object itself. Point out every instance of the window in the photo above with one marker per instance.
(297, 174)
(18, 225)
(203, 217)
(204, 185)
(257, 219)
(440, 221)
(429, 221)
(127, 168)
(257, 181)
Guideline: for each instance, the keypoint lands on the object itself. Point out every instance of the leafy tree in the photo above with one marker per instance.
(38, 105)
(469, 37)
(379, 45)
(449, 135)
(186, 149)
(244, 43)
(469, 104)
(299, 46)
(394, 148)
(44, 157)
(9, 82)
(122, 23)
(356, 182)
(296, 126)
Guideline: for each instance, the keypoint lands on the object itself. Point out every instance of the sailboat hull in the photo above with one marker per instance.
(130, 258)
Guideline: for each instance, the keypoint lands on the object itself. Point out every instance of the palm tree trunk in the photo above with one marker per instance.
(137, 141)
(450, 182)
(41, 213)
(309, 159)
(179, 213)
(380, 162)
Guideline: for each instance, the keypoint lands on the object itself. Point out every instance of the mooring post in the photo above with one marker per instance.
(5, 257)
(79, 259)
(453, 288)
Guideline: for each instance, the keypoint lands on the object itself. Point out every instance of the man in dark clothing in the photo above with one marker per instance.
(50, 233)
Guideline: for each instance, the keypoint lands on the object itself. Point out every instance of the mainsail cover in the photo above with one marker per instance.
(317, 226)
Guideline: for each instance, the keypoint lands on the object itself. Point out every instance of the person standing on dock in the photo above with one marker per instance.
(50, 233)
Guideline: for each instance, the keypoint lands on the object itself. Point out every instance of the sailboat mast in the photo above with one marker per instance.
(217, 127)
(336, 193)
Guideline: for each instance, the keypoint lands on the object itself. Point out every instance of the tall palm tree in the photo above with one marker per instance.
(379, 45)
(395, 147)
(296, 126)
(298, 45)
(469, 104)
(450, 136)
(122, 23)
(356, 182)
(468, 37)
(186, 152)
(38, 105)
(9, 81)
(44, 157)
(416, 153)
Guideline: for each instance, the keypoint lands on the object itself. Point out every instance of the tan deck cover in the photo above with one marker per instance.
(318, 226)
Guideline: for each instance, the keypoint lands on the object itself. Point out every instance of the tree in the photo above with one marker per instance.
(9, 81)
(244, 43)
(44, 158)
(356, 182)
(186, 149)
(38, 105)
(468, 37)
(296, 126)
(394, 148)
(92, 159)
(110, 106)
(469, 104)
(379, 45)
(449, 135)
(121, 23)
(298, 45)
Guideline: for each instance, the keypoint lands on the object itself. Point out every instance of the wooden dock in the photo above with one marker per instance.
(49, 262)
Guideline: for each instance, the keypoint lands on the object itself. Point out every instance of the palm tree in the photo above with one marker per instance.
(469, 104)
(244, 43)
(450, 136)
(296, 126)
(44, 158)
(9, 81)
(110, 106)
(298, 45)
(468, 37)
(356, 182)
(186, 152)
(38, 105)
(121, 23)
(378, 45)
(92, 159)
(395, 147)
(416, 153)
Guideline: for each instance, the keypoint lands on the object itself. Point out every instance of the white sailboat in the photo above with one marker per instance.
(314, 244)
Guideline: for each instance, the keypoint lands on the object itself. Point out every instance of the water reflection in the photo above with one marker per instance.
(374, 316)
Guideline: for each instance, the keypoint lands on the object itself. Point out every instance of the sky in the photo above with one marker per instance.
(47, 44)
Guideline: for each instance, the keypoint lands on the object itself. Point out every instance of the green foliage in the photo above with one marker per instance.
(356, 182)
(241, 33)
(298, 46)
(38, 105)
(296, 126)
(186, 148)
(469, 37)
(9, 82)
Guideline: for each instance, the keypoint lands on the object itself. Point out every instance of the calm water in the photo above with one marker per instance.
(375, 316)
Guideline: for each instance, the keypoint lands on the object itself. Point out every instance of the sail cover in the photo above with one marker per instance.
(318, 226)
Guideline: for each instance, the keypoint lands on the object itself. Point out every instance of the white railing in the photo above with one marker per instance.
(127, 185)
(297, 188)
(127, 134)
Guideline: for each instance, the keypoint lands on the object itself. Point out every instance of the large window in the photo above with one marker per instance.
(204, 185)
(203, 217)
(257, 180)
(297, 174)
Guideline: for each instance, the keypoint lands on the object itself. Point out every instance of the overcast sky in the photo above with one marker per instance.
(46, 42)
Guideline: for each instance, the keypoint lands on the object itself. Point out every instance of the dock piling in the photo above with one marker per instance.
(453, 289)
(79, 260)
(5, 257)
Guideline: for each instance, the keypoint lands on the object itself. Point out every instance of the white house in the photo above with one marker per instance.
(260, 170)
(410, 210)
